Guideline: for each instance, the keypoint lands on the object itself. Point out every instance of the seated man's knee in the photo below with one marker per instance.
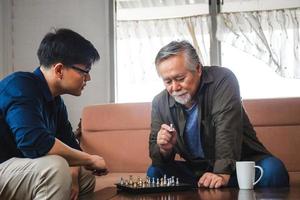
(53, 178)
(55, 167)
(154, 172)
(275, 173)
(55, 163)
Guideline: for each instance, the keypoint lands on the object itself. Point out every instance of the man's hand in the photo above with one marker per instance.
(75, 185)
(77, 158)
(166, 138)
(211, 180)
(97, 163)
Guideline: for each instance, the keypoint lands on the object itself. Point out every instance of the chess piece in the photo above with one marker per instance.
(169, 182)
(172, 128)
(134, 184)
(161, 182)
(165, 180)
(130, 180)
(177, 181)
(139, 181)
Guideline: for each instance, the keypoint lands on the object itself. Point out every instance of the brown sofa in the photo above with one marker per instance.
(119, 133)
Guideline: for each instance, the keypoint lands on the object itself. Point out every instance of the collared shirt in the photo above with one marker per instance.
(30, 118)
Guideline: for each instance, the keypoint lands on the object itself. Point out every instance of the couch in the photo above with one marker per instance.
(119, 133)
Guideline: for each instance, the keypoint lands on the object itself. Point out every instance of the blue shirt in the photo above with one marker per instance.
(192, 133)
(30, 118)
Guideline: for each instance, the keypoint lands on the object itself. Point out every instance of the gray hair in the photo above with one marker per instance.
(176, 48)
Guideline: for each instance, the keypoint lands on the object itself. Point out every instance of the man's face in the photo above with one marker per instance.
(76, 77)
(180, 82)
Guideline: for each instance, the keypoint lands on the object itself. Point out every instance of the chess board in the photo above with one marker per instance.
(139, 185)
(153, 189)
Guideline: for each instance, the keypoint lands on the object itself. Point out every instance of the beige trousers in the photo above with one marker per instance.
(42, 178)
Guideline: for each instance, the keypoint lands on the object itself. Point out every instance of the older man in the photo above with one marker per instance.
(211, 129)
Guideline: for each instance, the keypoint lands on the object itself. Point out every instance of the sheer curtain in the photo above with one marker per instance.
(137, 45)
(271, 36)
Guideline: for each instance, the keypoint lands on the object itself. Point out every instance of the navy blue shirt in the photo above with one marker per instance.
(30, 118)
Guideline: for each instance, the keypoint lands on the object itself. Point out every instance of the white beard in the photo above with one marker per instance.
(182, 99)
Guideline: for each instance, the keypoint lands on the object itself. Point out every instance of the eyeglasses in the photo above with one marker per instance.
(81, 71)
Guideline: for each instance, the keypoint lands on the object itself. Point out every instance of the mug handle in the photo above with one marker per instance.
(261, 174)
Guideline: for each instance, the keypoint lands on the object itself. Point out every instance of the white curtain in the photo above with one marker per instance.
(271, 36)
(138, 42)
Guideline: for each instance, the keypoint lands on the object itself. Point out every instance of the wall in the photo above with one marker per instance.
(27, 21)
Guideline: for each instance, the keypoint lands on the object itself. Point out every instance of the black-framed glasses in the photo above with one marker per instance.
(82, 71)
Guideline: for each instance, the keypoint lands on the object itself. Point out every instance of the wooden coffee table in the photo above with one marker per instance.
(201, 193)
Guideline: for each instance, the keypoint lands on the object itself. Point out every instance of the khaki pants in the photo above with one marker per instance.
(42, 178)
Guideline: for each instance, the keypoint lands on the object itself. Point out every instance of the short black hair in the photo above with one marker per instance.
(67, 47)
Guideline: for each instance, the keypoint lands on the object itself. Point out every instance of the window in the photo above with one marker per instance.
(261, 46)
(143, 27)
(256, 78)
(140, 35)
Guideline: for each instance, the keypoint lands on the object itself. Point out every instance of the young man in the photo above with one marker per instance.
(37, 144)
(211, 129)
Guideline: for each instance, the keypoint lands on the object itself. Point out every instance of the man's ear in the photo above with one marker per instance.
(58, 70)
(199, 70)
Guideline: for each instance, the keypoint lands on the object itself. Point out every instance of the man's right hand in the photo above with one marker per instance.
(166, 139)
(77, 158)
(97, 163)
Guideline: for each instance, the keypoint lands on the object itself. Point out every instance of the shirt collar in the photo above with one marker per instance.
(206, 78)
(44, 85)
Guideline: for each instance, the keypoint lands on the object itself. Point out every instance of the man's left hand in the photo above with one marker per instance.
(211, 180)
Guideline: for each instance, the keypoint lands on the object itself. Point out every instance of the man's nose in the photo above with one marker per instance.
(88, 77)
(175, 86)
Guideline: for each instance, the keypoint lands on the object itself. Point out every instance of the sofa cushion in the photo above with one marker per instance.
(273, 112)
(119, 133)
(123, 150)
(277, 123)
(283, 142)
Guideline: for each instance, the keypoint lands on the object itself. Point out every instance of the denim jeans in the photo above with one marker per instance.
(275, 173)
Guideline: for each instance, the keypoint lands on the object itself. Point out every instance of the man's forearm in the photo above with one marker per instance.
(73, 156)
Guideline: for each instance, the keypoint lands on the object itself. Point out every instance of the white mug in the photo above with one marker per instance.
(246, 195)
(245, 171)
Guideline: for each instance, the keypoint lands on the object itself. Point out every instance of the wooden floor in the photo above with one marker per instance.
(223, 193)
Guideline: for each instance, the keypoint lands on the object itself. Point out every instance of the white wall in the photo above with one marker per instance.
(27, 21)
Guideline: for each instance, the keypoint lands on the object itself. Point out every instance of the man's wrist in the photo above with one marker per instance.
(75, 171)
(89, 159)
(165, 153)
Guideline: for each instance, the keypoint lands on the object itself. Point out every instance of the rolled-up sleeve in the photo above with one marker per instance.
(26, 121)
(24, 111)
